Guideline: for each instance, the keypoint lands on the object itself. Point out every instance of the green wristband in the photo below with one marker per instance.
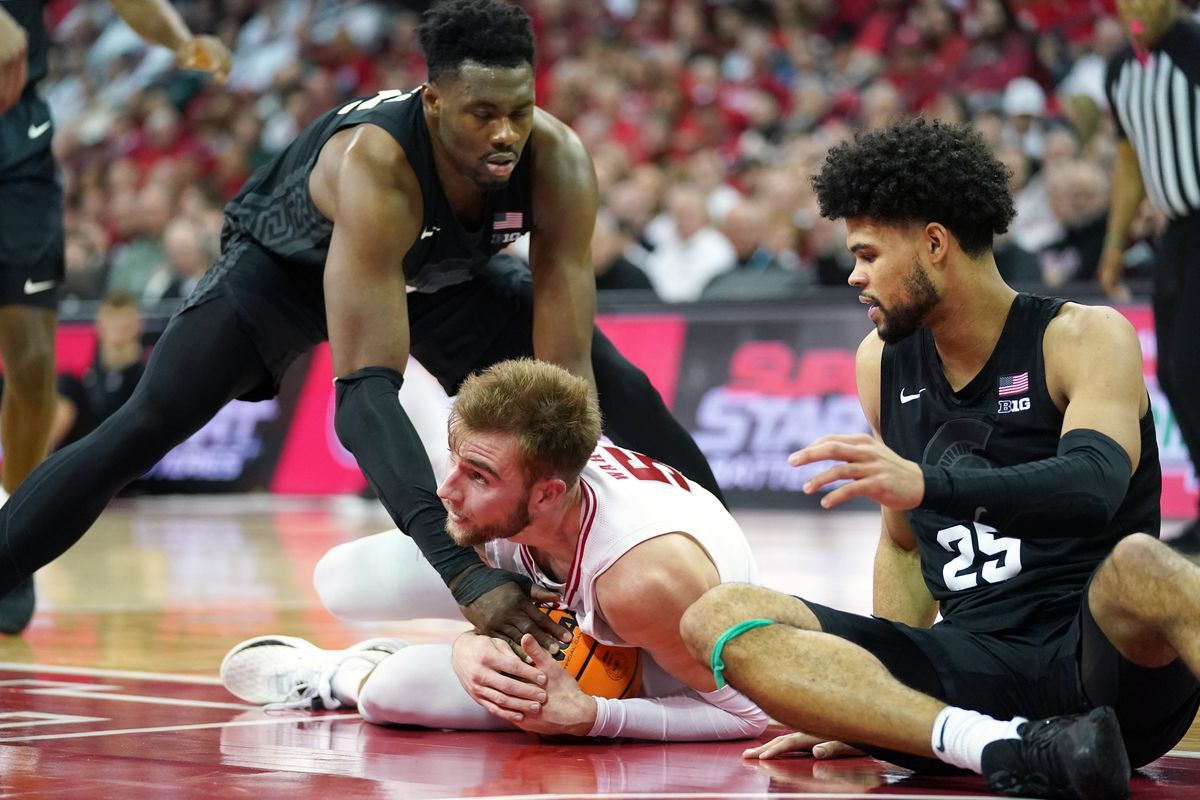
(1114, 241)
(718, 666)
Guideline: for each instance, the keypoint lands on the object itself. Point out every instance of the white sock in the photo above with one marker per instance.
(348, 679)
(959, 736)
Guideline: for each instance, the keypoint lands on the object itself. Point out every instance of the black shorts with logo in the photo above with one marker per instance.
(1065, 669)
(31, 233)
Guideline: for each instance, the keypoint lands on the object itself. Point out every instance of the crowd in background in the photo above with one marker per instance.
(704, 119)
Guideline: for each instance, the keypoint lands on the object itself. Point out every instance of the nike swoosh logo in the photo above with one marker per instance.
(425, 234)
(40, 286)
(941, 745)
(905, 398)
(37, 130)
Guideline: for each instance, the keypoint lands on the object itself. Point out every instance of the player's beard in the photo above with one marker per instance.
(904, 318)
(517, 521)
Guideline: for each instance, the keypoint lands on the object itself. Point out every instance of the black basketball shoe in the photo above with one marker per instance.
(16, 607)
(1080, 757)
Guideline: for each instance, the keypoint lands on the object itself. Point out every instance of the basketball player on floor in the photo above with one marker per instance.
(378, 228)
(625, 542)
(31, 230)
(1017, 470)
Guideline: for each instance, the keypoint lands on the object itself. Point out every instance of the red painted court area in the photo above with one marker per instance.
(85, 733)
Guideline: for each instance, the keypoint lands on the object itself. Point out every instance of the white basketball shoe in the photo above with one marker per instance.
(285, 672)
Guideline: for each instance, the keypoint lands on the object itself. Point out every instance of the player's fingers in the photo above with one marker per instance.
(519, 691)
(835, 750)
(788, 743)
(505, 662)
(539, 656)
(843, 471)
(843, 493)
(542, 595)
(503, 713)
(548, 632)
(513, 703)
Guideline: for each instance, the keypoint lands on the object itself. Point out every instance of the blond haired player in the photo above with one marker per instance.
(624, 541)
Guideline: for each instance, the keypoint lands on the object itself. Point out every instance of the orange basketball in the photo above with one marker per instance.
(601, 670)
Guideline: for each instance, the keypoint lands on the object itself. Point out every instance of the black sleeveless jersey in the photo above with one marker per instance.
(275, 209)
(25, 128)
(990, 580)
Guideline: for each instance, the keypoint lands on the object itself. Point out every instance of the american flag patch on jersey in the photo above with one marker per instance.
(1014, 384)
(508, 221)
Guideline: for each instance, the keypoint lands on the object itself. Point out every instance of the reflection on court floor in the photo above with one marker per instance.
(112, 692)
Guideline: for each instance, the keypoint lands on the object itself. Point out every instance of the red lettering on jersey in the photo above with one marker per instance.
(646, 469)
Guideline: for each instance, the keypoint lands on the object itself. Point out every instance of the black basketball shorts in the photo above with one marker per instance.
(31, 233)
(1034, 674)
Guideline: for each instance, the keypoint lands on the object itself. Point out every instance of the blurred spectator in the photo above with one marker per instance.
(1025, 106)
(688, 251)
(1078, 192)
(134, 262)
(187, 259)
(722, 95)
(756, 273)
(614, 270)
(85, 402)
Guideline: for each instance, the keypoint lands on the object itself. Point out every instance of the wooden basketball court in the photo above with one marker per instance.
(112, 692)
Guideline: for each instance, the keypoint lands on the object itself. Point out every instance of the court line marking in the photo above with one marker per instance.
(1179, 754)
(93, 691)
(171, 728)
(724, 795)
(93, 672)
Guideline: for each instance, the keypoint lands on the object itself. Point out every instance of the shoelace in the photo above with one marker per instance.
(314, 690)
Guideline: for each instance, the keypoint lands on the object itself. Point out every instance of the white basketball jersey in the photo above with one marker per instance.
(627, 499)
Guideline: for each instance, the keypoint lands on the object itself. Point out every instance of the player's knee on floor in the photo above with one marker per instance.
(417, 686)
(333, 580)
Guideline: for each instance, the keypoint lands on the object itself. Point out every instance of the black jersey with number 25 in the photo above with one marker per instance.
(988, 579)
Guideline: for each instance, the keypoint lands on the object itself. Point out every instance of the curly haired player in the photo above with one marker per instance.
(1017, 470)
(625, 541)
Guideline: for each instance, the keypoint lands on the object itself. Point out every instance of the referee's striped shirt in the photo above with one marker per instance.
(1156, 105)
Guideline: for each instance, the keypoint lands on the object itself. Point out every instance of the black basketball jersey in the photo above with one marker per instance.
(987, 579)
(25, 129)
(274, 207)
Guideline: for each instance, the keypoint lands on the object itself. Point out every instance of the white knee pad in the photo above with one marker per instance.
(381, 577)
(417, 686)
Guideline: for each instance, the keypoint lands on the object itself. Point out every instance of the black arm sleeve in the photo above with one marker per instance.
(371, 424)
(1075, 493)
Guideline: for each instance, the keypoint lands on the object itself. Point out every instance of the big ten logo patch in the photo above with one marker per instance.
(1012, 406)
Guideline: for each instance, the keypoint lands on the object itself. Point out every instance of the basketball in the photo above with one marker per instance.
(601, 670)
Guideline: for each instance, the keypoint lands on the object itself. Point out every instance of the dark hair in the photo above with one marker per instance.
(918, 171)
(491, 32)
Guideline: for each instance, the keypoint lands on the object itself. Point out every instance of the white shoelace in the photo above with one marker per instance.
(315, 691)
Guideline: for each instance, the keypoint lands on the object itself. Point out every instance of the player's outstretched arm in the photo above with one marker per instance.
(158, 22)
(14, 54)
(564, 284)
(362, 181)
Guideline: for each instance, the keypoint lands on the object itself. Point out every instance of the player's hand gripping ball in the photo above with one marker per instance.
(601, 670)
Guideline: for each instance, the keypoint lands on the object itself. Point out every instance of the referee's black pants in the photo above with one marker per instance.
(1176, 300)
